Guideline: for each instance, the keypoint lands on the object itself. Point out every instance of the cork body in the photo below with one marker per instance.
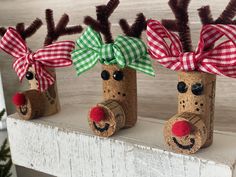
(47, 102)
(196, 102)
(203, 104)
(120, 101)
(123, 91)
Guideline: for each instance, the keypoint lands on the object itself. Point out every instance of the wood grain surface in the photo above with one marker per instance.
(157, 97)
(65, 146)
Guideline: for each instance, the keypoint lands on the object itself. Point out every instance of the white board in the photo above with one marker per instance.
(63, 145)
(3, 125)
(2, 100)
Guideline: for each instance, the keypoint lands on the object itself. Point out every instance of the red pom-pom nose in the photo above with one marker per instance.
(97, 114)
(181, 128)
(19, 99)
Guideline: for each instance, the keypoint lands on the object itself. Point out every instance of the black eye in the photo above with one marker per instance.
(197, 89)
(105, 75)
(118, 75)
(29, 75)
(182, 87)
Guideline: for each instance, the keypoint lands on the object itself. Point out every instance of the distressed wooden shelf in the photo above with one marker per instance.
(63, 145)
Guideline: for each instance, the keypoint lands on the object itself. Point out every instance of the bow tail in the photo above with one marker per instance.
(45, 79)
(83, 60)
(229, 71)
(144, 65)
(20, 67)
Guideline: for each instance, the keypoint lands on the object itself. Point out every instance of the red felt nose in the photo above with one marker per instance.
(19, 99)
(181, 128)
(97, 114)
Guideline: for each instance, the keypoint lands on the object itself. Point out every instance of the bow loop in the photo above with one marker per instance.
(161, 42)
(54, 55)
(129, 50)
(220, 60)
(90, 39)
(125, 51)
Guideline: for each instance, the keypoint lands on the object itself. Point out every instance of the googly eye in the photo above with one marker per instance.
(29, 75)
(105, 75)
(118, 75)
(182, 87)
(197, 89)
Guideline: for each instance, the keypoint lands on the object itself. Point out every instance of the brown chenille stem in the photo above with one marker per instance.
(25, 33)
(136, 29)
(20, 28)
(2, 31)
(226, 16)
(181, 22)
(205, 15)
(60, 29)
(102, 23)
(32, 28)
(125, 26)
(171, 25)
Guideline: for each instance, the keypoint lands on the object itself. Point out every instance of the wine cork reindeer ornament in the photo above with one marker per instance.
(120, 58)
(192, 127)
(38, 67)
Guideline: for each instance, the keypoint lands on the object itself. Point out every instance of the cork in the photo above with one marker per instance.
(114, 119)
(202, 104)
(190, 143)
(123, 91)
(48, 101)
(33, 107)
(51, 101)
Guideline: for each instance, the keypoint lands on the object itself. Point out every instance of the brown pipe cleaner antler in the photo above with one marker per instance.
(135, 30)
(226, 17)
(181, 24)
(102, 23)
(61, 29)
(25, 32)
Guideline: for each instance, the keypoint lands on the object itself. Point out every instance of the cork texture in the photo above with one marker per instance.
(49, 101)
(114, 119)
(190, 143)
(123, 91)
(203, 104)
(33, 107)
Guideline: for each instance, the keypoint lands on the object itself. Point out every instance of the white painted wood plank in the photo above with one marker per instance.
(3, 125)
(63, 145)
(2, 99)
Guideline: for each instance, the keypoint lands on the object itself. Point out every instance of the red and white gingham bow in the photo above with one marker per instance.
(55, 55)
(221, 60)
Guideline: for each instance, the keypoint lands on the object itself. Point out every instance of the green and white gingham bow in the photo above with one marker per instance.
(125, 51)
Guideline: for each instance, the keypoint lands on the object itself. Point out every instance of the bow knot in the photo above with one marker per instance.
(125, 51)
(188, 61)
(220, 60)
(29, 58)
(54, 55)
(106, 53)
